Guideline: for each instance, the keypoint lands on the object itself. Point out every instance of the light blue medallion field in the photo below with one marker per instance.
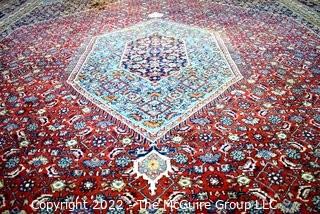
(154, 75)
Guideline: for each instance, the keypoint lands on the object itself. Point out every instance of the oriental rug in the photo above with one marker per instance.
(159, 106)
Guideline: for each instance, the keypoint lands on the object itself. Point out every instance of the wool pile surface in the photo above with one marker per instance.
(115, 102)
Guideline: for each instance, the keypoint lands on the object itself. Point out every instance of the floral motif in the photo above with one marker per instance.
(275, 178)
(27, 185)
(99, 141)
(58, 185)
(65, 162)
(123, 161)
(88, 185)
(237, 155)
(12, 162)
(117, 185)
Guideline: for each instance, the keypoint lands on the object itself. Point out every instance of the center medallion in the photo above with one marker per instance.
(154, 75)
